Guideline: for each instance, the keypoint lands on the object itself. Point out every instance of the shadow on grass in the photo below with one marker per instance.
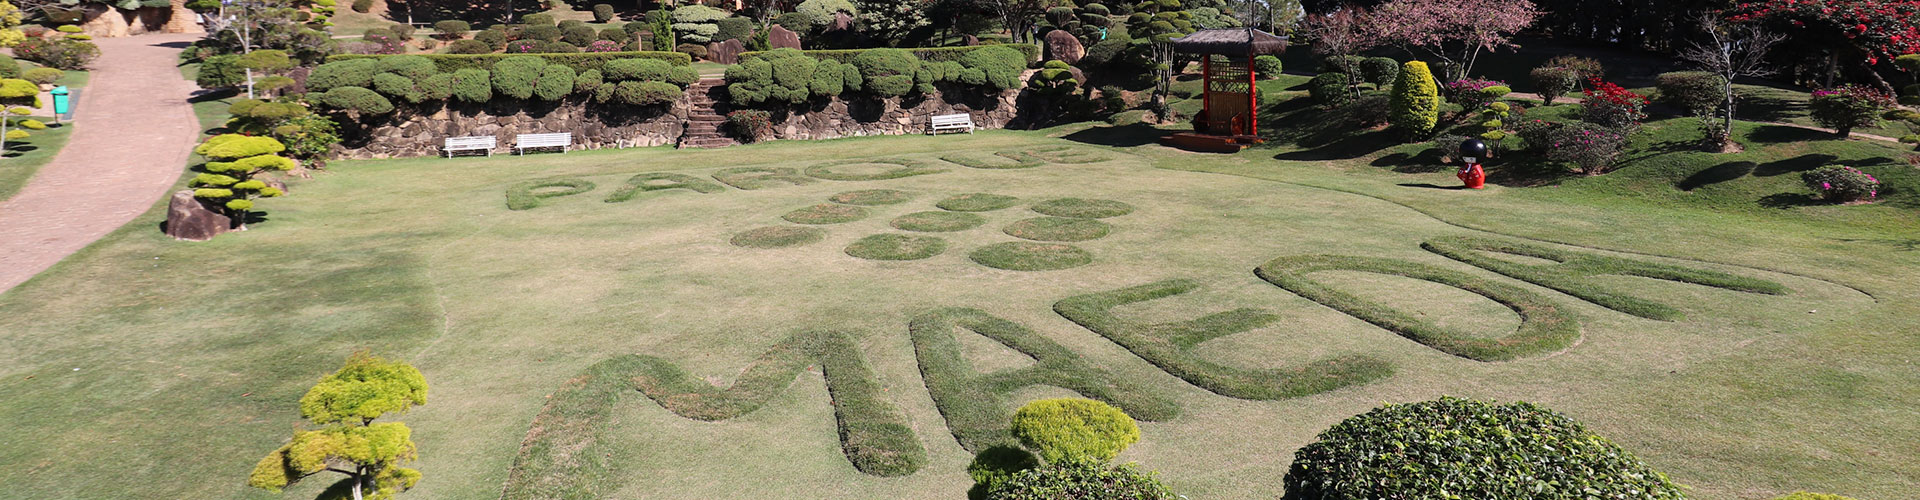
(1426, 185)
(1898, 245)
(1426, 161)
(1345, 148)
(1126, 136)
(1526, 171)
(1795, 164)
(1716, 174)
(1769, 108)
(1776, 134)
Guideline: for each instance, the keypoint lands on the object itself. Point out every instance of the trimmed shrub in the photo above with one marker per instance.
(846, 56)
(540, 19)
(692, 50)
(1848, 107)
(555, 83)
(794, 21)
(494, 40)
(997, 67)
(697, 23)
(1585, 68)
(472, 85)
(616, 35)
(449, 63)
(401, 32)
(735, 28)
(396, 86)
(586, 81)
(602, 12)
(1329, 89)
(1473, 94)
(414, 67)
(1416, 101)
(1842, 184)
(647, 93)
(781, 75)
(347, 73)
(1080, 482)
(452, 29)
(1695, 92)
(1066, 430)
(9, 68)
(1267, 67)
(1553, 82)
(1591, 149)
(358, 99)
(578, 34)
(750, 124)
(1469, 449)
(1379, 71)
(475, 46)
(542, 33)
(887, 72)
(514, 77)
(217, 72)
(820, 12)
(435, 88)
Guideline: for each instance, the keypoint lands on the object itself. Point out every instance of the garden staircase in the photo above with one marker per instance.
(703, 122)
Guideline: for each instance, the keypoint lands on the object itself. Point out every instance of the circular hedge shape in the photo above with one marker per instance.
(897, 247)
(871, 197)
(826, 213)
(1058, 229)
(976, 202)
(1469, 449)
(938, 222)
(1030, 256)
(1081, 482)
(1081, 208)
(1078, 430)
(778, 237)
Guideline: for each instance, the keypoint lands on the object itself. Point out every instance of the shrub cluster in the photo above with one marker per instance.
(1379, 71)
(448, 63)
(1265, 66)
(936, 54)
(1553, 82)
(1475, 93)
(792, 76)
(1075, 481)
(1695, 92)
(1842, 184)
(1847, 107)
(1591, 148)
(369, 85)
(64, 54)
(1330, 89)
(1614, 107)
(1469, 449)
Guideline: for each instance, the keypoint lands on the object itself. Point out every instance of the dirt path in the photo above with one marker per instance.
(136, 130)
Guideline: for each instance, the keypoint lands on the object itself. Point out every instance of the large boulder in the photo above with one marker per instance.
(1064, 46)
(727, 52)
(779, 37)
(189, 219)
(182, 20)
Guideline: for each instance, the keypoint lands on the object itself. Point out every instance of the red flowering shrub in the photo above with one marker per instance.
(1848, 106)
(1614, 107)
(1882, 29)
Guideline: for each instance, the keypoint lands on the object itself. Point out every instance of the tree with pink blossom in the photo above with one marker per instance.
(1452, 32)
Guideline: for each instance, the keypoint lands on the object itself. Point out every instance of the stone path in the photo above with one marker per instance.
(134, 134)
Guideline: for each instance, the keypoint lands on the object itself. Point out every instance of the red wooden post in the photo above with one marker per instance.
(1253, 91)
(1206, 90)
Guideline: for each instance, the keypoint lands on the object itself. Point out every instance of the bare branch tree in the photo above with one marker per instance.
(1731, 51)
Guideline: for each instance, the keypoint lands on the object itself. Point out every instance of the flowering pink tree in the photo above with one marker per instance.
(1454, 32)
(1342, 33)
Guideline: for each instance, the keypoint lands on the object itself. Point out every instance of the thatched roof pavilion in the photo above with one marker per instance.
(1231, 42)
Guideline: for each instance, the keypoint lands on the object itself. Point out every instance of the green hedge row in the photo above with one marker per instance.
(846, 56)
(448, 63)
(1570, 270)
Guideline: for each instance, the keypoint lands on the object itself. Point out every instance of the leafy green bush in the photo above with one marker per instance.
(1416, 101)
(820, 12)
(66, 54)
(396, 86)
(997, 67)
(1379, 71)
(475, 46)
(1266, 67)
(1330, 89)
(346, 73)
(887, 72)
(472, 85)
(586, 81)
(1842, 184)
(1469, 449)
(362, 6)
(43, 76)
(647, 93)
(1848, 107)
(616, 35)
(358, 99)
(1695, 92)
(555, 83)
(9, 68)
(697, 23)
(542, 33)
(781, 75)
(217, 72)
(578, 35)
(515, 76)
(735, 28)
(493, 40)
(846, 56)
(452, 29)
(1080, 481)
(539, 19)
(692, 50)
(1074, 430)
(449, 63)
(1553, 82)
(414, 67)
(602, 12)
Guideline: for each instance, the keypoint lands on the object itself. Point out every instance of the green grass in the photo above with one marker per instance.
(657, 181)
(977, 202)
(778, 237)
(871, 197)
(1569, 271)
(897, 247)
(826, 213)
(1058, 229)
(870, 169)
(762, 177)
(1752, 396)
(1031, 256)
(527, 195)
(938, 222)
(23, 158)
(1082, 208)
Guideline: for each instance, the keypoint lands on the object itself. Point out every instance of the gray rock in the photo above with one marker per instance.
(190, 219)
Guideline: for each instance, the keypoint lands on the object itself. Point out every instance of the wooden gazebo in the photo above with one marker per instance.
(1229, 119)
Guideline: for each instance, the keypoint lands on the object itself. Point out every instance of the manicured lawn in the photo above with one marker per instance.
(1747, 395)
(25, 157)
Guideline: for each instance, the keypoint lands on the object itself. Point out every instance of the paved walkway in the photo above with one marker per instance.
(134, 134)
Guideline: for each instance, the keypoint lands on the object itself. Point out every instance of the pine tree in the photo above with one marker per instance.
(345, 403)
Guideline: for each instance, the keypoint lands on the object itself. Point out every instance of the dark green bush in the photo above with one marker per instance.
(846, 56)
(449, 63)
(579, 35)
(540, 19)
(999, 67)
(616, 35)
(795, 22)
(1266, 66)
(515, 76)
(1380, 71)
(555, 83)
(647, 93)
(436, 88)
(357, 99)
(692, 50)
(452, 29)
(1329, 89)
(586, 81)
(1469, 449)
(217, 72)
(474, 46)
(602, 12)
(542, 33)
(401, 32)
(414, 67)
(1081, 481)
(735, 28)
(472, 85)
(397, 87)
(1695, 92)
(493, 40)
(9, 68)
(347, 73)
(1552, 82)
(64, 54)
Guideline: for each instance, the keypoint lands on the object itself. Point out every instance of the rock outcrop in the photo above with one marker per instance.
(1064, 46)
(190, 219)
(781, 38)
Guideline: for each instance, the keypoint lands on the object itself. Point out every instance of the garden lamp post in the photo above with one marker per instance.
(1471, 174)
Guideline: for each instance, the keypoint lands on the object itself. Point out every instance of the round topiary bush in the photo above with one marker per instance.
(1058, 229)
(539, 19)
(1267, 67)
(43, 76)
(602, 12)
(1082, 208)
(1076, 481)
(358, 99)
(474, 46)
(1469, 449)
(826, 213)
(647, 93)
(887, 72)
(347, 73)
(452, 29)
(1695, 92)
(1379, 71)
(1329, 89)
(1031, 256)
(542, 33)
(897, 247)
(1415, 108)
(778, 237)
(938, 222)
(494, 39)
(1074, 430)
(976, 202)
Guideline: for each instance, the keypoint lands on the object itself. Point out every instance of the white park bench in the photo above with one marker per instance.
(961, 121)
(524, 142)
(477, 143)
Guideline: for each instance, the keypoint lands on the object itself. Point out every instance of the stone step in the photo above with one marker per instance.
(706, 118)
(707, 141)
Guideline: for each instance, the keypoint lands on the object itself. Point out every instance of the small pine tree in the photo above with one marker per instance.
(15, 92)
(1416, 101)
(233, 161)
(346, 402)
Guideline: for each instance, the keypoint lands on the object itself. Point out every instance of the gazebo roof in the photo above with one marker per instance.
(1231, 42)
